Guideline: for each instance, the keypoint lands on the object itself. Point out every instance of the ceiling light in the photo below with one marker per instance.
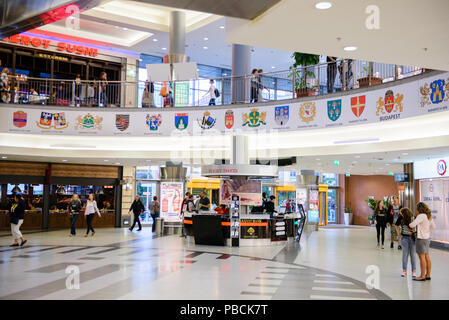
(206, 38)
(350, 48)
(323, 5)
(405, 154)
(204, 48)
(221, 27)
(125, 29)
(117, 163)
(317, 159)
(357, 157)
(154, 39)
(272, 67)
(4, 157)
(106, 160)
(164, 48)
(64, 160)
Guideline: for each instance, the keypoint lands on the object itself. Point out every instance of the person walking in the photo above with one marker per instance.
(381, 221)
(16, 216)
(91, 209)
(424, 223)
(154, 211)
(211, 93)
(74, 210)
(260, 85)
(407, 241)
(254, 86)
(103, 84)
(395, 221)
(331, 72)
(137, 208)
(181, 212)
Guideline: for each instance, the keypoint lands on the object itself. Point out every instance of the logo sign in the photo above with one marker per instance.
(436, 93)
(122, 121)
(401, 177)
(254, 119)
(334, 109)
(358, 105)
(89, 122)
(307, 111)
(229, 119)
(207, 121)
(281, 115)
(50, 120)
(441, 167)
(19, 119)
(181, 121)
(153, 121)
(390, 104)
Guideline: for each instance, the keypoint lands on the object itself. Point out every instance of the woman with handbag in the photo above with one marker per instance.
(407, 241)
(91, 209)
(424, 223)
(17, 214)
(74, 210)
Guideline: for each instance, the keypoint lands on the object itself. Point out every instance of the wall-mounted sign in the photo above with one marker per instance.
(52, 57)
(40, 43)
(401, 177)
(432, 168)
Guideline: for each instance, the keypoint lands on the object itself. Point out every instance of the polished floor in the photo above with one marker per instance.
(118, 264)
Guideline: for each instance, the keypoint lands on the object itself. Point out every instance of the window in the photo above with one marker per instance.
(148, 173)
(331, 179)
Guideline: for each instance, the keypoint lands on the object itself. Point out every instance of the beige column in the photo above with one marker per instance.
(129, 175)
(129, 88)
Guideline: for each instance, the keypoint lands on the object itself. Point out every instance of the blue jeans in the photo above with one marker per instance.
(89, 219)
(73, 219)
(212, 102)
(408, 249)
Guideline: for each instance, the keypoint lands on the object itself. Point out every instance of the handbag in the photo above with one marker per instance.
(14, 220)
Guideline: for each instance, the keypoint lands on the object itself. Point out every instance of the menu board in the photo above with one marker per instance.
(171, 200)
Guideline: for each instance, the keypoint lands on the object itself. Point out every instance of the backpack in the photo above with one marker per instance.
(217, 93)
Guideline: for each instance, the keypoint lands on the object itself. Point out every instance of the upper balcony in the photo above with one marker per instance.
(316, 80)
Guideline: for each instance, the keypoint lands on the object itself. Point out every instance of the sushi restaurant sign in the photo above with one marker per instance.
(39, 43)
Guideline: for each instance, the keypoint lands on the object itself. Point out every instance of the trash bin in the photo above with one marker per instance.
(159, 226)
(348, 218)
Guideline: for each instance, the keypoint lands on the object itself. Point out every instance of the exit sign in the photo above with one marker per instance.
(336, 162)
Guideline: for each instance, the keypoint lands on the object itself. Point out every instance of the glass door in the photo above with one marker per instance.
(146, 190)
(332, 205)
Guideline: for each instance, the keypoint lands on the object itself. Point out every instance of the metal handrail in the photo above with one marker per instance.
(268, 86)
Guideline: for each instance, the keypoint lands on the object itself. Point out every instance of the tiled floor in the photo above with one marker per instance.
(119, 264)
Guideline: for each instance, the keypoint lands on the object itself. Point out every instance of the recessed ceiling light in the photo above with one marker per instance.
(106, 160)
(221, 27)
(404, 153)
(273, 67)
(357, 157)
(387, 164)
(154, 39)
(317, 159)
(164, 48)
(125, 29)
(350, 48)
(4, 157)
(323, 5)
(206, 38)
(64, 160)
(117, 163)
(117, 27)
(204, 48)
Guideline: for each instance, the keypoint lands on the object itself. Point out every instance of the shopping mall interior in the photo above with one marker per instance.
(287, 122)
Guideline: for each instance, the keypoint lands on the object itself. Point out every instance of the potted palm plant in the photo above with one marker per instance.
(370, 79)
(303, 75)
(372, 203)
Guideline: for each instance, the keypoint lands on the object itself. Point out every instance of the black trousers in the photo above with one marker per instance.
(89, 219)
(380, 228)
(331, 75)
(136, 220)
(73, 219)
(154, 216)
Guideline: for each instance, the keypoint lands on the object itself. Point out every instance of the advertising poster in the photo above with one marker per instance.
(249, 191)
(171, 200)
(313, 212)
(435, 193)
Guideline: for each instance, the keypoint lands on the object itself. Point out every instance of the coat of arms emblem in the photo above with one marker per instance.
(229, 119)
(391, 103)
(181, 121)
(254, 119)
(436, 93)
(334, 109)
(153, 121)
(122, 121)
(358, 105)
(281, 115)
(50, 120)
(19, 119)
(89, 122)
(207, 121)
(307, 111)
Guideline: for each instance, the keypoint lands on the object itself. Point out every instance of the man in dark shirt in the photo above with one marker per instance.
(204, 202)
(269, 207)
(137, 208)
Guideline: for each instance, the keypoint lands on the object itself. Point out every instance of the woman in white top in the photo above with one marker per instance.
(211, 93)
(424, 223)
(91, 209)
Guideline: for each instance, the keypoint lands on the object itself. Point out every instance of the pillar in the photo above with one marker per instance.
(177, 29)
(241, 66)
(240, 154)
(128, 190)
(409, 190)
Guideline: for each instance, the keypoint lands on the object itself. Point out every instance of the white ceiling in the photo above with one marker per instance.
(406, 28)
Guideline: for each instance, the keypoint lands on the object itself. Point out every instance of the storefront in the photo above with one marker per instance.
(432, 188)
(47, 188)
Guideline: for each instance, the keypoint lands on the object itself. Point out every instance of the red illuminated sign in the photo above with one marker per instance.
(61, 46)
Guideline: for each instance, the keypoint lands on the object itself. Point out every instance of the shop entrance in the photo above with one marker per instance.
(146, 191)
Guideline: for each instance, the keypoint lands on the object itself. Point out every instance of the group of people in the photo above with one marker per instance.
(190, 205)
(256, 85)
(413, 233)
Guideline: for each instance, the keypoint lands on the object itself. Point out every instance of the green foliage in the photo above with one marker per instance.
(304, 60)
(348, 209)
(372, 203)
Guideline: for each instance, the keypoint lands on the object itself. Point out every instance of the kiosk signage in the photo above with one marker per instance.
(235, 220)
